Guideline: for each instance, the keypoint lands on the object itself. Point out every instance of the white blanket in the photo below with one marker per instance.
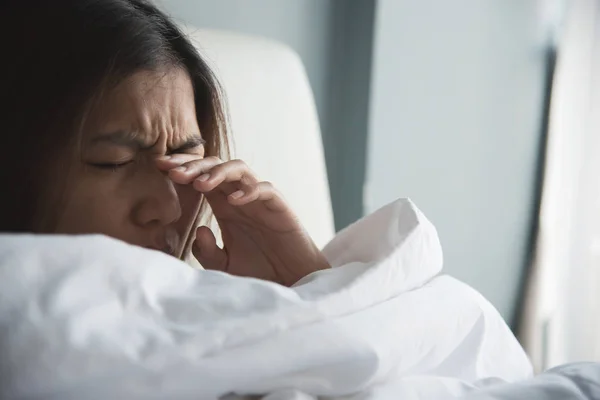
(92, 318)
(578, 381)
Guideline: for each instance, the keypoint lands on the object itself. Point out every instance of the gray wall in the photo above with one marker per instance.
(454, 124)
(333, 39)
(346, 126)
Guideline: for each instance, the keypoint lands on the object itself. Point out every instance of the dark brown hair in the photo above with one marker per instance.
(58, 57)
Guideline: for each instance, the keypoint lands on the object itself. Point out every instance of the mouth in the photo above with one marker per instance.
(168, 244)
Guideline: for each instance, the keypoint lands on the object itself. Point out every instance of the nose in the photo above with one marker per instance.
(158, 201)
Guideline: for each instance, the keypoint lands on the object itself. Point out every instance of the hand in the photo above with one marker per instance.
(262, 237)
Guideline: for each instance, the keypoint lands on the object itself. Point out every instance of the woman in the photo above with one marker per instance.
(113, 124)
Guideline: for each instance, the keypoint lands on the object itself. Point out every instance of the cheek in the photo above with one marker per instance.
(92, 206)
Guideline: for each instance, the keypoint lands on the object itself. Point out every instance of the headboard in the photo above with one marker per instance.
(274, 121)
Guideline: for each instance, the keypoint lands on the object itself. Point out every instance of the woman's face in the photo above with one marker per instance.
(115, 187)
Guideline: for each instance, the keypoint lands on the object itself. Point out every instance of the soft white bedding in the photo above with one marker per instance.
(93, 318)
(579, 381)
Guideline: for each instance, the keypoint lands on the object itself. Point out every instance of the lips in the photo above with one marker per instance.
(167, 243)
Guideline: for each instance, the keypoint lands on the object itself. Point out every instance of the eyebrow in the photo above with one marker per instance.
(134, 141)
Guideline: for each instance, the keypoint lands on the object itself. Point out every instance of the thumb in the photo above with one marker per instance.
(206, 251)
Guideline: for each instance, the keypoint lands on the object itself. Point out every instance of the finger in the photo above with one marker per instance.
(206, 251)
(227, 172)
(263, 192)
(168, 162)
(187, 172)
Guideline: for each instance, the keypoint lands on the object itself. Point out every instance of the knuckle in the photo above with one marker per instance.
(192, 163)
(238, 165)
(213, 159)
(266, 185)
(253, 189)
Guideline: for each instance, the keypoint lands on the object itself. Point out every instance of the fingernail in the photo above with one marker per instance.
(236, 195)
(164, 158)
(180, 169)
(203, 177)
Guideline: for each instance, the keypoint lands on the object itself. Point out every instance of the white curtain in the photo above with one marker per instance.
(562, 319)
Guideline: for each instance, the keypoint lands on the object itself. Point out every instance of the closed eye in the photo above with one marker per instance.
(192, 151)
(192, 145)
(110, 166)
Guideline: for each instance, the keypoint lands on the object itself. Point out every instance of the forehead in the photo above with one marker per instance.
(156, 106)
